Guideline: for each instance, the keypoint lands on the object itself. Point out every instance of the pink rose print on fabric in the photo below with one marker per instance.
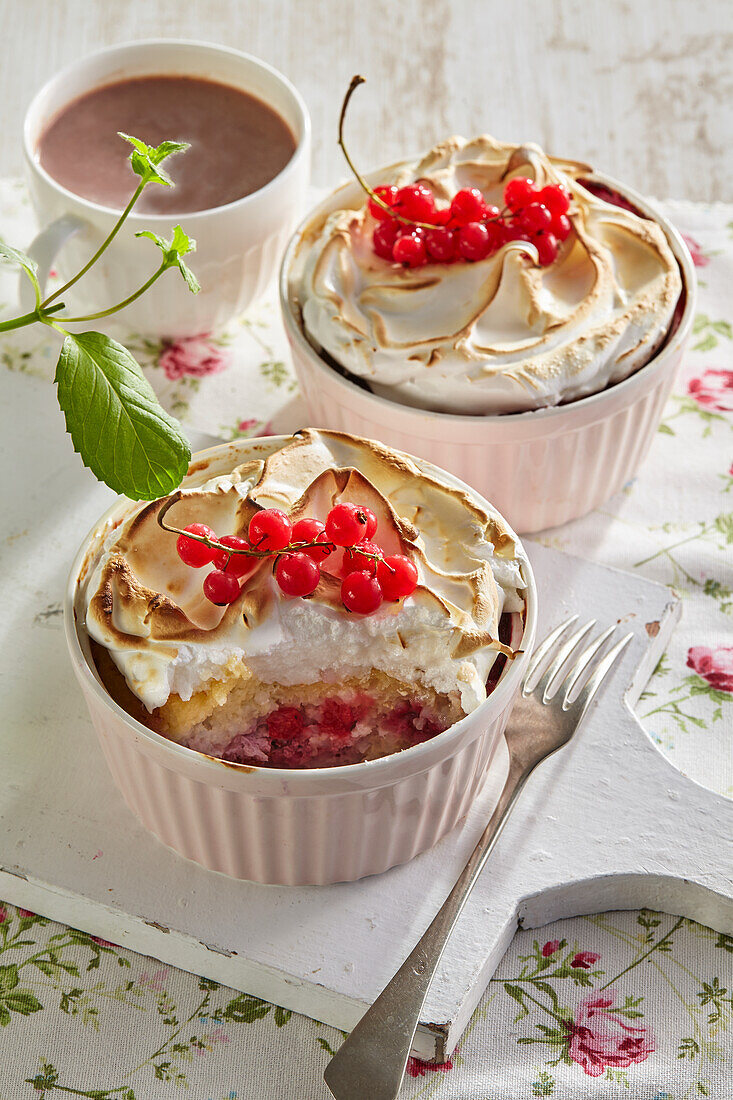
(101, 942)
(550, 948)
(714, 665)
(584, 960)
(208, 1042)
(699, 258)
(26, 913)
(153, 982)
(600, 1038)
(247, 425)
(713, 390)
(192, 357)
(3, 914)
(417, 1068)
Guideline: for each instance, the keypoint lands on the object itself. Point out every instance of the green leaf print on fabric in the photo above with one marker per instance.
(718, 534)
(14, 999)
(245, 1009)
(710, 331)
(544, 1084)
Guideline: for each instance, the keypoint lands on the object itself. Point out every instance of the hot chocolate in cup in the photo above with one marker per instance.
(239, 239)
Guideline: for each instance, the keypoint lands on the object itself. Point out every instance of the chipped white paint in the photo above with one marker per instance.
(641, 90)
(606, 824)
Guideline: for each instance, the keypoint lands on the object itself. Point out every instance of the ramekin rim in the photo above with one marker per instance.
(302, 148)
(528, 416)
(301, 776)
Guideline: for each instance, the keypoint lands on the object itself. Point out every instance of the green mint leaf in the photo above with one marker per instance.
(173, 251)
(146, 160)
(10, 255)
(115, 421)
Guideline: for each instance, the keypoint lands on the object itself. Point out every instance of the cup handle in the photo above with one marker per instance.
(43, 250)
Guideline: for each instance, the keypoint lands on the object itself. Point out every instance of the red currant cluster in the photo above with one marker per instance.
(368, 577)
(469, 228)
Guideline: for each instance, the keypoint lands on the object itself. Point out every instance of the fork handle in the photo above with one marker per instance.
(371, 1062)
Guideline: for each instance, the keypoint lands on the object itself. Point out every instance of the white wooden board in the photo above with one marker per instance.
(606, 824)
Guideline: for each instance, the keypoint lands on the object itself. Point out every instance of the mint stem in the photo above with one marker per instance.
(105, 243)
(120, 305)
(29, 318)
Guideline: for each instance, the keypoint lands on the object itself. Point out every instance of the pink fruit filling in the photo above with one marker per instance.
(334, 731)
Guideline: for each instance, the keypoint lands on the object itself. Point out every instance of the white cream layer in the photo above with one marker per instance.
(466, 582)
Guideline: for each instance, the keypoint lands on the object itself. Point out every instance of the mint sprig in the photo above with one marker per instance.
(115, 421)
(173, 251)
(10, 255)
(147, 160)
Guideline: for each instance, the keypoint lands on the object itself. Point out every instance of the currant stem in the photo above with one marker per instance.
(355, 82)
(214, 544)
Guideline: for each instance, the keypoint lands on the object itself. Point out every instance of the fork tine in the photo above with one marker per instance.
(583, 661)
(601, 671)
(565, 650)
(542, 651)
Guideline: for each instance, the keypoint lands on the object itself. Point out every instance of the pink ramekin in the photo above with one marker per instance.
(290, 827)
(539, 468)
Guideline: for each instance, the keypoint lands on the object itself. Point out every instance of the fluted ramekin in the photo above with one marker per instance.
(540, 468)
(272, 825)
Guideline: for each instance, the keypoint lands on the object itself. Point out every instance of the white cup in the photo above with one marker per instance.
(238, 245)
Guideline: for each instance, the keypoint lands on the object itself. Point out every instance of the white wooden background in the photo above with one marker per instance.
(640, 88)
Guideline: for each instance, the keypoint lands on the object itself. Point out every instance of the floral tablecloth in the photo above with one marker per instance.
(619, 1004)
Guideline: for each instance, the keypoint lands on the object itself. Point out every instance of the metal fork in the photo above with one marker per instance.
(371, 1062)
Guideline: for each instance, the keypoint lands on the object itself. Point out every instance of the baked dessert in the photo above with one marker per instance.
(485, 278)
(326, 602)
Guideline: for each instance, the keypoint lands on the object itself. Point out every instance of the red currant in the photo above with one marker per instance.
(360, 592)
(513, 232)
(384, 237)
(397, 576)
(238, 565)
(297, 574)
(497, 235)
(474, 241)
(467, 206)
(441, 245)
(519, 192)
(195, 553)
(270, 529)
(347, 524)
(371, 525)
(534, 218)
(362, 557)
(561, 226)
(416, 202)
(386, 194)
(410, 251)
(555, 198)
(442, 216)
(312, 530)
(547, 248)
(492, 214)
(221, 588)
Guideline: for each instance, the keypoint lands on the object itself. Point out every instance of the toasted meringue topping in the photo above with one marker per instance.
(501, 335)
(147, 608)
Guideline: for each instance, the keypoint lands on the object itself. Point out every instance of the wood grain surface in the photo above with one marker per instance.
(642, 90)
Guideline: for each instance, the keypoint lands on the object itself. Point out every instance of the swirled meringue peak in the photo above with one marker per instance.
(146, 608)
(500, 335)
